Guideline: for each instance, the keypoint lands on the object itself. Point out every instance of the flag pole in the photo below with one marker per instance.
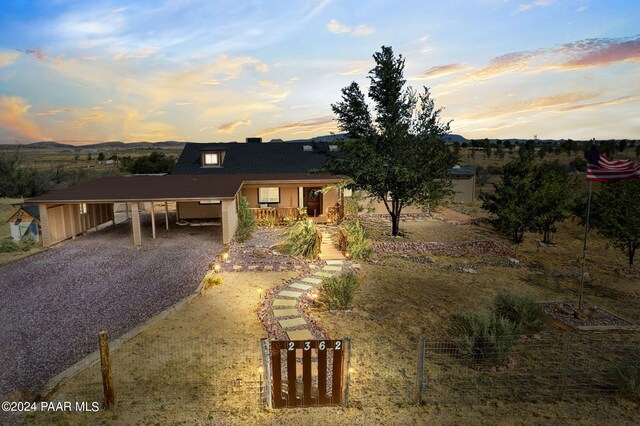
(584, 247)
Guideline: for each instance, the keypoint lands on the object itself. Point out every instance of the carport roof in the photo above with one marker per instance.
(165, 188)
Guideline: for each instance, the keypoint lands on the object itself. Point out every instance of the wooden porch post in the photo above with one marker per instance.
(166, 215)
(44, 225)
(135, 224)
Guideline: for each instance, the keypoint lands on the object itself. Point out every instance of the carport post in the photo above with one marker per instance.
(153, 220)
(135, 225)
(166, 215)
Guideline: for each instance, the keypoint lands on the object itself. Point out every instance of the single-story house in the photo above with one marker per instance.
(25, 222)
(205, 185)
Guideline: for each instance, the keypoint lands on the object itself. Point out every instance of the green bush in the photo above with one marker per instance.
(246, 221)
(338, 291)
(300, 239)
(9, 245)
(358, 241)
(627, 377)
(483, 338)
(269, 221)
(519, 309)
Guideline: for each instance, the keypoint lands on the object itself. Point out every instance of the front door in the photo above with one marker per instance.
(313, 201)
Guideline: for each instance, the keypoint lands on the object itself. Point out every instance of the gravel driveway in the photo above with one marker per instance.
(53, 304)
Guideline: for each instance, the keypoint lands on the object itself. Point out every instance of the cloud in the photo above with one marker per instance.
(523, 7)
(439, 71)
(267, 83)
(38, 52)
(337, 28)
(311, 125)
(231, 127)
(534, 104)
(503, 64)
(595, 105)
(359, 31)
(363, 31)
(8, 57)
(595, 52)
(14, 117)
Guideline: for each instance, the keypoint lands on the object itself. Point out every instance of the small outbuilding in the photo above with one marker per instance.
(25, 222)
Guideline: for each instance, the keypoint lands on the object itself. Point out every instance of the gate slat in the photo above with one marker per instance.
(322, 376)
(291, 379)
(276, 366)
(336, 384)
(306, 378)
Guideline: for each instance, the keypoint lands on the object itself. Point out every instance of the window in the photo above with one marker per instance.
(269, 195)
(347, 192)
(203, 202)
(211, 159)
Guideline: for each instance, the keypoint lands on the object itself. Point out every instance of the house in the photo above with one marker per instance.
(208, 180)
(25, 222)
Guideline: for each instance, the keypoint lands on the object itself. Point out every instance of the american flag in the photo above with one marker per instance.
(601, 169)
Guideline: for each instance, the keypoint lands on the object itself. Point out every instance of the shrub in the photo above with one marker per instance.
(269, 221)
(300, 239)
(246, 221)
(9, 245)
(358, 241)
(627, 377)
(338, 291)
(519, 309)
(211, 281)
(483, 338)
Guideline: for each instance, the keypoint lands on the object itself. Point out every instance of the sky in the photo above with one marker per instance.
(82, 72)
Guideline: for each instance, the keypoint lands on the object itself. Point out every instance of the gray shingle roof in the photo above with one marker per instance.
(250, 158)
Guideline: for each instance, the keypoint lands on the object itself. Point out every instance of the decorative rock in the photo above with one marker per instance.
(252, 267)
(566, 309)
(237, 267)
(469, 270)
(356, 266)
(514, 261)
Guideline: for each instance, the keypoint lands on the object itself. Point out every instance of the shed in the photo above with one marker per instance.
(25, 222)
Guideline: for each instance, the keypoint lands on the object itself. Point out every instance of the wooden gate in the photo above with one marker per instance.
(307, 373)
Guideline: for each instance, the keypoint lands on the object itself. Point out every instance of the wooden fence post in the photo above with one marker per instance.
(420, 383)
(105, 362)
(266, 361)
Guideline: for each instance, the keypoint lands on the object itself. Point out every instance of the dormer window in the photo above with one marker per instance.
(212, 158)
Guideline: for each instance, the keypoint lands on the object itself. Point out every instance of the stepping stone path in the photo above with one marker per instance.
(328, 249)
(283, 316)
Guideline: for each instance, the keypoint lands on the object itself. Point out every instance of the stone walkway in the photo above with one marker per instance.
(283, 311)
(329, 249)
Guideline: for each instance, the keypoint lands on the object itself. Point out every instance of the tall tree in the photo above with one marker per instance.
(615, 211)
(399, 157)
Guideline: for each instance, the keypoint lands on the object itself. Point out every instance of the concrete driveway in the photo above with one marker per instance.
(53, 304)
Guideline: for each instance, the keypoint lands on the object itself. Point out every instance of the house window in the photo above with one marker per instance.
(269, 195)
(347, 192)
(204, 202)
(211, 159)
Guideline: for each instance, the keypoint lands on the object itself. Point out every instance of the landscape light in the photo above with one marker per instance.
(261, 369)
(347, 255)
(225, 256)
(216, 268)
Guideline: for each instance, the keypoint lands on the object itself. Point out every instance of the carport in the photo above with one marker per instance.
(72, 211)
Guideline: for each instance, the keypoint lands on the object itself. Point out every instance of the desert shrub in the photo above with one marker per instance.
(269, 221)
(627, 377)
(358, 241)
(300, 239)
(302, 213)
(338, 291)
(519, 309)
(211, 281)
(246, 221)
(483, 338)
(8, 245)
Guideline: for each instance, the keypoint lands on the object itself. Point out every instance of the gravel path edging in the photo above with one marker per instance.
(94, 357)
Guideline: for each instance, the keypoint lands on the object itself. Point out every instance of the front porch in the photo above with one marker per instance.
(280, 215)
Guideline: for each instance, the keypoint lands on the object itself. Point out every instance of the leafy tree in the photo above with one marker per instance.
(615, 211)
(554, 200)
(154, 163)
(512, 203)
(399, 157)
(89, 157)
(101, 156)
(500, 152)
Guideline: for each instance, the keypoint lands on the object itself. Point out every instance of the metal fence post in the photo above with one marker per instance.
(345, 400)
(266, 364)
(567, 363)
(420, 382)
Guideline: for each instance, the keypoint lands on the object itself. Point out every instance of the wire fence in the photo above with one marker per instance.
(178, 375)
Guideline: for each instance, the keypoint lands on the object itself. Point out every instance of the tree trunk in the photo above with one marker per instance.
(395, 224)
(632, 253)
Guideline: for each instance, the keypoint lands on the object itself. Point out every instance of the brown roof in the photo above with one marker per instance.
(165, 188)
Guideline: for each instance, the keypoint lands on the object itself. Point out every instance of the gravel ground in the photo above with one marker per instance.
(55, 302)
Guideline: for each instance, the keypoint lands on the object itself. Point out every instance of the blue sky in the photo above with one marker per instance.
(84, 72)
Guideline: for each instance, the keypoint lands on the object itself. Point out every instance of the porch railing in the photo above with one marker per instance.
(273, 214)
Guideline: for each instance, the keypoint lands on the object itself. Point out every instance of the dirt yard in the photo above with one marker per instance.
(169, 365)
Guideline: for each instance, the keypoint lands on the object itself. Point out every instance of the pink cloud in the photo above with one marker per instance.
(14, 117)
(595, 52)
(38, 52)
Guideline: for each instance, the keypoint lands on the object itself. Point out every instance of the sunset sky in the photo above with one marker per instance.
(91, 71)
